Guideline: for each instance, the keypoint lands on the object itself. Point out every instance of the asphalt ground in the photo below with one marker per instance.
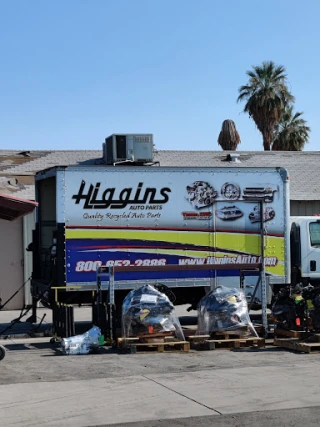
(39, 386)
(308, 417)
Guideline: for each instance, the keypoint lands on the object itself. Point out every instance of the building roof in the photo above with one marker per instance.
(17, 168)
(14, 207)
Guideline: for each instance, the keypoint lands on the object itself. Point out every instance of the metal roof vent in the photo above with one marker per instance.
(24, 154)
(14, 182)
(233, 157)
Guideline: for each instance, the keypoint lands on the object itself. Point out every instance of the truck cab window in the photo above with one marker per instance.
(314, 228)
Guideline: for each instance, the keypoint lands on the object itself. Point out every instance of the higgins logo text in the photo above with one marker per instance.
(95, 197)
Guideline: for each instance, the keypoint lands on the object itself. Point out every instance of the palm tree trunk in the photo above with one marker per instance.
(267, 140)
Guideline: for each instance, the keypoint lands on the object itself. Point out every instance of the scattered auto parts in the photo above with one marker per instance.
(298, 308)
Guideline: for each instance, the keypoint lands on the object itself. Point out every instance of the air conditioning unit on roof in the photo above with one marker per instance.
(123, 148)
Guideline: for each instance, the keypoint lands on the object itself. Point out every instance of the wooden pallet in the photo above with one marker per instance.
(228, 344)
(223, 335)
(145, 339)
(314, 337)
(160, 343)
(164, 347)
(297, 345)
(205, 342)
(279, 332)
(229, 336)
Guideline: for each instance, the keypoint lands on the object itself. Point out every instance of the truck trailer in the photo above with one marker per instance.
(186, 229)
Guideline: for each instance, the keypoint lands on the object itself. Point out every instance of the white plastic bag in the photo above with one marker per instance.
(82, 344)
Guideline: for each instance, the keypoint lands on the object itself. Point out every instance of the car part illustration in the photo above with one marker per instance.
(230, 191)
(201, 194)
(268, 214)
(259, 193)
(229, 213)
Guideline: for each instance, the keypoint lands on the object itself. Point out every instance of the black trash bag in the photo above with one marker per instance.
(147, 310)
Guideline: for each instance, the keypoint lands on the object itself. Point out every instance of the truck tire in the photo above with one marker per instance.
(2, 352)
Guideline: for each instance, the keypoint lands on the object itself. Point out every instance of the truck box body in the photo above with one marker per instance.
(154, 216)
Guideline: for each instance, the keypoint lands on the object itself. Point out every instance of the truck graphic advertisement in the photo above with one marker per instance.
(161, 216)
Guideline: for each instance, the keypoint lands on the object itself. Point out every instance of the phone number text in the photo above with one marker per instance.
(89, 266)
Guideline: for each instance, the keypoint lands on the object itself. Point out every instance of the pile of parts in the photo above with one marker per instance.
(148, 311)
(298, 308)
(224, 310)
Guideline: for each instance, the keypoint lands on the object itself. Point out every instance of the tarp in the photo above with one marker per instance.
(12, 208)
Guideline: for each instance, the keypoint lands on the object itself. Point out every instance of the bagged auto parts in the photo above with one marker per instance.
(224, 310)
(147, 311)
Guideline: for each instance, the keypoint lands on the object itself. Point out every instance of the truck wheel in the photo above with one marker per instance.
(2, 352)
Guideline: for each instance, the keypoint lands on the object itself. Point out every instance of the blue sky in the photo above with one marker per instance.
(75, 71)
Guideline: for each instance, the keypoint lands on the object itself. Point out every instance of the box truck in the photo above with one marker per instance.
(216, 222)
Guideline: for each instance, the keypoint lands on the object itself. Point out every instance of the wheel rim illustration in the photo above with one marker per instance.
(230, 191)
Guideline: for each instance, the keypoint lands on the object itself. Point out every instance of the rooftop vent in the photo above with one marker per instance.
(24, 153)
(128, 148)
(13, 181)
(233, 157)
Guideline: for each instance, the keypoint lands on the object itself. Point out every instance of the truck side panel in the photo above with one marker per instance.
(160, 216)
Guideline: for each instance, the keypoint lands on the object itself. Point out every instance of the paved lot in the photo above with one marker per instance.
(308, 417)
(38, 386)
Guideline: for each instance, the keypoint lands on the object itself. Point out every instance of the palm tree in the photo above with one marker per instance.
(266, 95)
(229, 138)
(292, 132)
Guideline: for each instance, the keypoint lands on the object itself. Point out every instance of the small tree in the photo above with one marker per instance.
(292, 133)
(229, 138)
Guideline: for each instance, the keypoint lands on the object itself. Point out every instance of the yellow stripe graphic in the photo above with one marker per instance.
(185, 237)
(226, 242)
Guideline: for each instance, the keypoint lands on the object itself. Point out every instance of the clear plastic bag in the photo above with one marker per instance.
(82, 344)
(147, 311)
(224, 310)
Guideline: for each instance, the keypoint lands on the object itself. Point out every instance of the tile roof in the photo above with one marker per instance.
(18, 168)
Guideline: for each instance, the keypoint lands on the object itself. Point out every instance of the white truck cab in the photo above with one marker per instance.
(305, 249)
